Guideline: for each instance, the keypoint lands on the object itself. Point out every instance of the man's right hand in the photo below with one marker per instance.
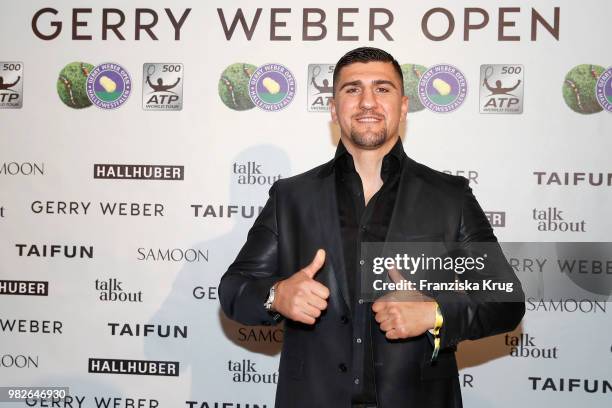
(300, 297)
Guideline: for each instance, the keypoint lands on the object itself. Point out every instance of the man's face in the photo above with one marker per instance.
(368, 105)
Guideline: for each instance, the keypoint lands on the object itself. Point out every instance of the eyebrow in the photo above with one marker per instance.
(375, 82)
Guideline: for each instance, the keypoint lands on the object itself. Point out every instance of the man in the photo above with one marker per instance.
(301, 262)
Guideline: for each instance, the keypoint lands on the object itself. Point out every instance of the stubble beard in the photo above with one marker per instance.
(369, 139)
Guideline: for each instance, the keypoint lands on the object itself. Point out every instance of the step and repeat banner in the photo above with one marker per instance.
(138, 142)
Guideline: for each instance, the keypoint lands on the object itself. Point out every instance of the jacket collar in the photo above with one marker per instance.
(396, 155)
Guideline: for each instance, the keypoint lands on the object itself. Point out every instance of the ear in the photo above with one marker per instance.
(404, 108)
(332, 109)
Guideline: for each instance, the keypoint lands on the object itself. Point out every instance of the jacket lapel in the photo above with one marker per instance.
(404, 220)
(329, 226)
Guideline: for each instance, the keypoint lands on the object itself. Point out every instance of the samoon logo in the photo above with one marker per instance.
(272, 87)
(579, 88)
(442, 88)
(108, 86)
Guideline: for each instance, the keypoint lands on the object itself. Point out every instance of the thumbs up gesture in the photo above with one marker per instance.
(404, 315)
(301, 297)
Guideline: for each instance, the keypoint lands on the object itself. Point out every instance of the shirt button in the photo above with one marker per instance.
(361, 301)
(342, 367)
(356, 381)
(361, 262)
(358, 340)
(363, 228)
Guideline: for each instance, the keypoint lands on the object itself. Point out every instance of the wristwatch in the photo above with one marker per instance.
(268, 304)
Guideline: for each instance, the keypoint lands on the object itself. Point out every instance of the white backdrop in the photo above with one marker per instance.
(48, 151)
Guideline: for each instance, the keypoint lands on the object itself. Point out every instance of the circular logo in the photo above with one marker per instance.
(71, 84)
(108, 85)
(234, 86)
(579, 88)
(603, 89)
(272, 87)
(412, 75)
(442, 88)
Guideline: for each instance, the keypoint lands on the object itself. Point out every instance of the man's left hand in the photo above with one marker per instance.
(404, 319)
(404, 314)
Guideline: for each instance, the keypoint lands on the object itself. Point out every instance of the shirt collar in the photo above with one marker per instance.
(391, 162)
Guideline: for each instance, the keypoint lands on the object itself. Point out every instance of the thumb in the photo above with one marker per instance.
(394, 274)
(316, 264)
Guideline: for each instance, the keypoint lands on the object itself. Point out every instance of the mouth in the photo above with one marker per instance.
(368, 119)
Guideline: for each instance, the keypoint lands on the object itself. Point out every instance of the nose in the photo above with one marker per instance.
(368, 99)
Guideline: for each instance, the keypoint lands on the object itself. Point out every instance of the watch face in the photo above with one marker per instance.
(268, 304)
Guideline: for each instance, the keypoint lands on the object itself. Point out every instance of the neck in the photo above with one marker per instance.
(368, 161)
(368, 164)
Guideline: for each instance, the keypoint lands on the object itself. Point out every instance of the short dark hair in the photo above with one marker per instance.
(365, 55)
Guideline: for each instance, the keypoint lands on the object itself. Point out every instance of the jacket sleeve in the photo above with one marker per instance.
(244, 288)
(476, 314)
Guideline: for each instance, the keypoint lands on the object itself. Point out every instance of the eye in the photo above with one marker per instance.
(352, 90)
(382, 90)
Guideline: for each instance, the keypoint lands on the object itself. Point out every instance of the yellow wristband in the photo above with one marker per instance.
(436, 332)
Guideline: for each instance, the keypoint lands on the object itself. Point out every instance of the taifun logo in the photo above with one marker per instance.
(590, 385)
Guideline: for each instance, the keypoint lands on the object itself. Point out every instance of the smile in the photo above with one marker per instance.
(368, 119)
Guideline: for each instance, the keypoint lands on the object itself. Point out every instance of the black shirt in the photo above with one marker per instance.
(360, 223)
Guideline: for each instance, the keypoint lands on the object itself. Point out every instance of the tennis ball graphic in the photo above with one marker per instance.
(234, 86)
(71, 84)
(271, 85)
(412, 74)
(108, 84)
(579, 88)
(442, 86)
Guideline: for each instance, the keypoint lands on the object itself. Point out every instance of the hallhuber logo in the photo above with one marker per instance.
(139, 171)
(272, 87)
(496, 218)
(442, 88)
(604, 90)
(108, 86)
(135, 367)
(22, 287)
